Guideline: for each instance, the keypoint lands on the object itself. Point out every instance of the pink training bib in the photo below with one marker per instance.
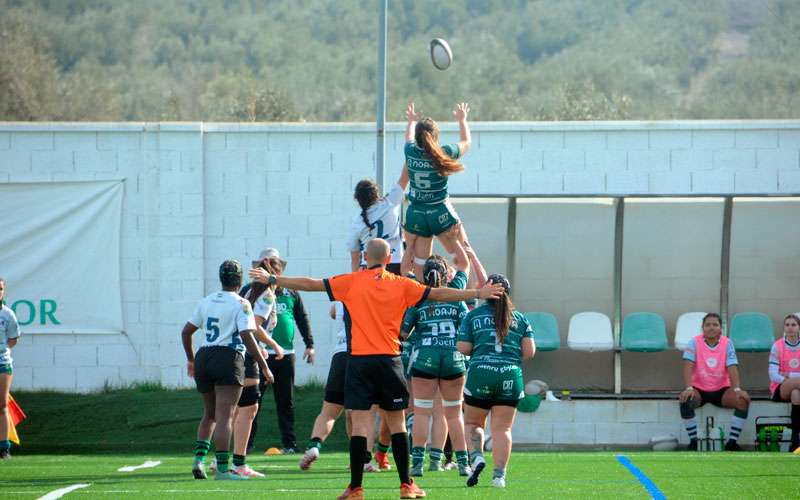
(710, 373)
(789, 361)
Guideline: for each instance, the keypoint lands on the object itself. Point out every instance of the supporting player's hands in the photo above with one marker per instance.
(259, 274)
(491, 291)
(267, 374)
(461, 111)
(278, 352)
(411, 114)
(190, 368)
(308, 355)
(687, 394)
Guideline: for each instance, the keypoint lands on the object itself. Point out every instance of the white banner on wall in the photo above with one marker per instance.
(60, 255)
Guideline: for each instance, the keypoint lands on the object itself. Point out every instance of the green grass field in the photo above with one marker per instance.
(530, 475)
(73, 439)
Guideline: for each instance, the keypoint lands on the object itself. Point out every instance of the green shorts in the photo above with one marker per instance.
(6, 369)
(430, 220)
(494, 383)
(432, 362)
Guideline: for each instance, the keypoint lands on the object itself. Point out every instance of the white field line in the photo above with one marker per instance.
(148, 464)
(63, 491)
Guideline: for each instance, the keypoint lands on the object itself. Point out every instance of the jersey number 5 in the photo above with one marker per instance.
(212, 330)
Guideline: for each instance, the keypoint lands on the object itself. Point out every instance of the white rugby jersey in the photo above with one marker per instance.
(341, 334)
(9, 329)
(264, 306)
(221, 316)
(384, 216)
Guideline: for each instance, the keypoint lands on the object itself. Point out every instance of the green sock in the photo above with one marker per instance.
(417, 456)
(314, 442)
(383, 448)
(201, 448)
(462, 458)
(5, 444)
(435, 455)
(223, 458)
(238, 460)
(498, 472)
(473, 455)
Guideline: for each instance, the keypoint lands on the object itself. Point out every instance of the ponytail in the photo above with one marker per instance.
(366, 194)
(426, 135)
(503, 316)
(434, 272)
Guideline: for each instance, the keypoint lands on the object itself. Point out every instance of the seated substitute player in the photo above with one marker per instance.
(218, 368)
(784, 373)
(375, 301)
(437, 365)
(711, 375)
(9, 335)
(499, 339)
(429, 164)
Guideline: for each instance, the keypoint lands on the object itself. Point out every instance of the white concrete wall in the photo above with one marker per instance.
(198, 193)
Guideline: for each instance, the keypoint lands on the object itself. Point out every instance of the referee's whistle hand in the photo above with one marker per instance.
(258, 274)
(491, 291)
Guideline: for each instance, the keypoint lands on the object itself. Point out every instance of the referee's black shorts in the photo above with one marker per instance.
(375, 379)
(334, 387)
(218, 365)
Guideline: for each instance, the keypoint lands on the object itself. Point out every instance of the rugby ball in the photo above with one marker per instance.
(536, 388)
(441, 55)
(664, 442)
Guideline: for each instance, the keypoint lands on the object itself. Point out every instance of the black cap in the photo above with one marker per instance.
(230, 273)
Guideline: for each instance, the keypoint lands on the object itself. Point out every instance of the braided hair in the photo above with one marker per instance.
(434, 272)
(366, 194)
(230, 273)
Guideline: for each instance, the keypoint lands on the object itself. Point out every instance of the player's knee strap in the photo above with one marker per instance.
(423, 403)
(448, 403)
(249, 396)
(420, 261)
(687, 409)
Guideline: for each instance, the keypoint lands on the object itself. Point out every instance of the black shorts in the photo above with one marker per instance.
(377, 380)
(250, 366)
(422, 374)
(394, 268)
(713, 397)
(487, 404)
(334, 387)
(776, 396)
(218, 365)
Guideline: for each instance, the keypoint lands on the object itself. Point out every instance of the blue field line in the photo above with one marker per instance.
(646, 482)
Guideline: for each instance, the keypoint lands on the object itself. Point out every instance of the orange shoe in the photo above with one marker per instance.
(382, 459)
(411, 490)
(352, 494)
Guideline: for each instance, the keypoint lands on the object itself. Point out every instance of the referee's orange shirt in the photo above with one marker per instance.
(374, 301)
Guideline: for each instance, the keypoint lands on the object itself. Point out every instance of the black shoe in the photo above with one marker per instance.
(692, 445)
(732, 446)
(5, 454)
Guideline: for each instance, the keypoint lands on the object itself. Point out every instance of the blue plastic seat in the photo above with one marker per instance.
(751, 332)
(545, 331)
(644, 332)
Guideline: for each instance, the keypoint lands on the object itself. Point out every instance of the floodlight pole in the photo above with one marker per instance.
(381, 114)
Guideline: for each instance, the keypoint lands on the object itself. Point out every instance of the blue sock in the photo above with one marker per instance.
(5, 444)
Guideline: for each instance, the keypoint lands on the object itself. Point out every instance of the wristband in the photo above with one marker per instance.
(690, 388)
(737, 389)
(272, 280)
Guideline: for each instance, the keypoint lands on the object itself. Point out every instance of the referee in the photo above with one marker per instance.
(375, 301)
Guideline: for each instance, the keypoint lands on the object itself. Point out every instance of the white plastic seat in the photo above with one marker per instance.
(590, 331)
(689, 325)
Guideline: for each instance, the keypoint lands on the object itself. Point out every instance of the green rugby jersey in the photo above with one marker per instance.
(435, 324)
(427, 186)
(478, 328)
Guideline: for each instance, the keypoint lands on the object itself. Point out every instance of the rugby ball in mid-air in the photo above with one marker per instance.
(441, 55)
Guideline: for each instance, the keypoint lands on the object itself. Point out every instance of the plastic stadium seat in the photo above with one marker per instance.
(545, 331)
(751, 332)
(644, 332)
(689, 325)
(590, 331)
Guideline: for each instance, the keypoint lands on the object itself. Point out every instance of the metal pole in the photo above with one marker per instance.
(511, 240)
(725, 267)
(619, 225)
(381, 115)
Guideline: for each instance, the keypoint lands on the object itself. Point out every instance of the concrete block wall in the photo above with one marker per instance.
(197, 193)
(598, 423)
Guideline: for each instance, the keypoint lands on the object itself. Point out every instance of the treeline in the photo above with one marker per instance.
(315, 60)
